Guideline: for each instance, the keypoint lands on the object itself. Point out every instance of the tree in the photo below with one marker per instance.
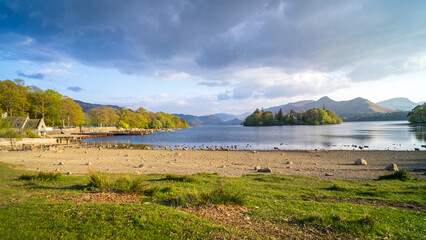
(71, 112)
(13, 97)
(52, 115)
(418, 114)
(9, 133)
(156, 124)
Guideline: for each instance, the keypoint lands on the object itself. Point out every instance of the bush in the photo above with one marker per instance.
(41, 176)
(30, 134)
(399, 175)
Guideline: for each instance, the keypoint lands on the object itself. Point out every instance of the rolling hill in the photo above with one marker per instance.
(354, 107)
(403, 104)
(87, 106)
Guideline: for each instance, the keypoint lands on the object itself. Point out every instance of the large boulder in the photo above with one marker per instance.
(360, 161)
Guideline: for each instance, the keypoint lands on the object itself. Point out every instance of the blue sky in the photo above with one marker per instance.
(202, 57)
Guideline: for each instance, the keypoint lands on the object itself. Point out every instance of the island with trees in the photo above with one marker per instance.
(310, 117)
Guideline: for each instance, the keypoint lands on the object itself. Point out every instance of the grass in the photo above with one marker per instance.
(298, 206)
(398, 175)
(125, 184)
(40, 176)
(220, 195)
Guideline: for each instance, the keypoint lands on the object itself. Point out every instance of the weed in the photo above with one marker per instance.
(153, 191)
(336, 187)
(399, 175)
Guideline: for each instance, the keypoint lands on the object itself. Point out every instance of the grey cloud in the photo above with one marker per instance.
(39, 76)
(75, 89)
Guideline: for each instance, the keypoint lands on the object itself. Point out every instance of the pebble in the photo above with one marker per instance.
(88, 163)
(289, 162)
(265, 170)
(68, 173)
(140, 165)
(61, 163)
(328, 174)
(360, 161)
(392, 167)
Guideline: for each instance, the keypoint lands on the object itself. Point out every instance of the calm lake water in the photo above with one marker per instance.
(396, 135)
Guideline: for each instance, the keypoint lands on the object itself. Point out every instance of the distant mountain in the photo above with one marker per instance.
(227, 117)
(349, 108)
(87, 106)
(403, 104)
(235, 121)
(194, 121)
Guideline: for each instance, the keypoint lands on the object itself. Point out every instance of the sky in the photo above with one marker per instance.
(203, 57)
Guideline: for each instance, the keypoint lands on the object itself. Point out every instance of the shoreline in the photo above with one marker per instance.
(336, 164)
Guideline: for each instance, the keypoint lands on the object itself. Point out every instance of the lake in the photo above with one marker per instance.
(390, 135)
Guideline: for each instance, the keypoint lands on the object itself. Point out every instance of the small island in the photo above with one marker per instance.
(310, 117)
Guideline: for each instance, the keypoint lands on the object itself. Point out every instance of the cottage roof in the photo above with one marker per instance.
(32, 123)
(16, 122)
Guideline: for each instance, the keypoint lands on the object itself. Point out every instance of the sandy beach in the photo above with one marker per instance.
(324, 164)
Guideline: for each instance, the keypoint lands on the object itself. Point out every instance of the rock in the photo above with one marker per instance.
(424, 146)
(416, 149)
(88, 163)
(254, 151)
(57, 170)
(141, 165)
(85, 151)
(257, 168)
(289, 162)
(276, 148)
(392, 167)
(360, 161)
(328, 174)
(265, 170)
(68, 173)
(61, 163)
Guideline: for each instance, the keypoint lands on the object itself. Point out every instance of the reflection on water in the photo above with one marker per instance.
(419, 131)
(376, 135)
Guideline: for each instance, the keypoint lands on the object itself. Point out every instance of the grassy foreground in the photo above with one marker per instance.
(206, 206)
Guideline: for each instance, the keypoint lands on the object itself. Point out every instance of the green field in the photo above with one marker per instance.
(207, 206)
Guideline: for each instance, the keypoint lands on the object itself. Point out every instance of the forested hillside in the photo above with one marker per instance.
(17, 99)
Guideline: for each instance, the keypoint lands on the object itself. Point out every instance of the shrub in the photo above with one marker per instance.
(399, 175)
(30, 134)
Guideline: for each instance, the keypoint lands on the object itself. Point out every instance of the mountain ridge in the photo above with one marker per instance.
(346, 108)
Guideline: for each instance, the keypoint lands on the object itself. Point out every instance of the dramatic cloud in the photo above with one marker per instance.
(310, 47)
(75, 89)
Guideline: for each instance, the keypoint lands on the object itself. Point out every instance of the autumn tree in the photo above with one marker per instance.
(71, 112)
